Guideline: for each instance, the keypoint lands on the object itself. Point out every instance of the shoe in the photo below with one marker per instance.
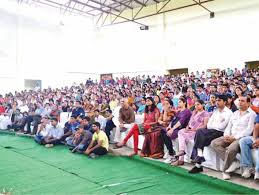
(71, 148)
(166, 155)
(181, 153)
(247, 172)
(225, 176)
(118, 145)
(234, 166)
(49, 145)
(256, 175)
(93, 156)
(196, 170)
(170, 159)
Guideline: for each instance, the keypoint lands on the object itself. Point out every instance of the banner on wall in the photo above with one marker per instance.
(106, 78)
(32, 84)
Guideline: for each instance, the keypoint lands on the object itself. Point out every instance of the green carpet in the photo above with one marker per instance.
(28, 168)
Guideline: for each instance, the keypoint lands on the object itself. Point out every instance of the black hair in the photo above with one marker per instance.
(97, 124)
(54, 119)
(169, 101)
(200, 101)
(87, 118)
(153, 106)
(223, 97)
(79, 102)
(159, 100)
(184, 100)
(240, 90)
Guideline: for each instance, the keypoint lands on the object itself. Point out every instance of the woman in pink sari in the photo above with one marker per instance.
(199, 120)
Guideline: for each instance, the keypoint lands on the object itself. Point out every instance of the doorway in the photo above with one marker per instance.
(178, 71)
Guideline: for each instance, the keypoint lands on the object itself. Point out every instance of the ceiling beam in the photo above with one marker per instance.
(121, 3)
(107, 12)
(140, 3)
(49, 2)
(104, 5)
(200, 4)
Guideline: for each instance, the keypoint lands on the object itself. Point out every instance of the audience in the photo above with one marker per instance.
(196, 107)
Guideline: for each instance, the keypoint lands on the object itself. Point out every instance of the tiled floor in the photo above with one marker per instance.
(237, 179)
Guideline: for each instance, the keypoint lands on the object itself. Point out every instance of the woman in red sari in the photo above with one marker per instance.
(151, 116)
(153, 145)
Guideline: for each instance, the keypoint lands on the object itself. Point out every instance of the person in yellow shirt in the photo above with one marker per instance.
(99, 144)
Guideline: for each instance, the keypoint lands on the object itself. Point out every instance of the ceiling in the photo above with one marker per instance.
(100, 10)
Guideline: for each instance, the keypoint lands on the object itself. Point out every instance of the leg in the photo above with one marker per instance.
(246, 153)
(100, 151)
(135, 139)
(69, 141)
(168, 142)
(230, 154)
(109, 126)
(219, 145)
(38, 139)
(184, 137)
(117, 135)
(204, 138)
(257, 161)
(29, 120)
(146, 145)
(52, 141)
(131, 132)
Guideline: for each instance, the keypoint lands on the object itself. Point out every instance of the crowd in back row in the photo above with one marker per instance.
(217, 109)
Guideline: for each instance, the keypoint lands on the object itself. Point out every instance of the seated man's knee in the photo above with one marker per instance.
(214, 143)
(245, 140)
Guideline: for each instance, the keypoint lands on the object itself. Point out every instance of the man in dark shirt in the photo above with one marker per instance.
(78, 110)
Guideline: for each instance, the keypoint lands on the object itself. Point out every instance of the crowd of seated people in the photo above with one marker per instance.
(217, 109)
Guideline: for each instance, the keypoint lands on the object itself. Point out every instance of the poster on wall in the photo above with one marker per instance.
(106, 78)
(32, 84)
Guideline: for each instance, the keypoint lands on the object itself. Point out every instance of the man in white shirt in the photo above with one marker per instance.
(215, 128)
(100, 119)
(43, 130)
(54, 135)
(241, 124)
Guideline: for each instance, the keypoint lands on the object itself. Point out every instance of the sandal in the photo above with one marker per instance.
(177, 163)
(143, 155)
(181, 153)
(118, 145)
(133, 154)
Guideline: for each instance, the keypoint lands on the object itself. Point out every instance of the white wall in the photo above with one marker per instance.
(186, 38)
(34, 45)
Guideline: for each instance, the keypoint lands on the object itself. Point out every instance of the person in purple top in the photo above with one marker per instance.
(179, 121)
